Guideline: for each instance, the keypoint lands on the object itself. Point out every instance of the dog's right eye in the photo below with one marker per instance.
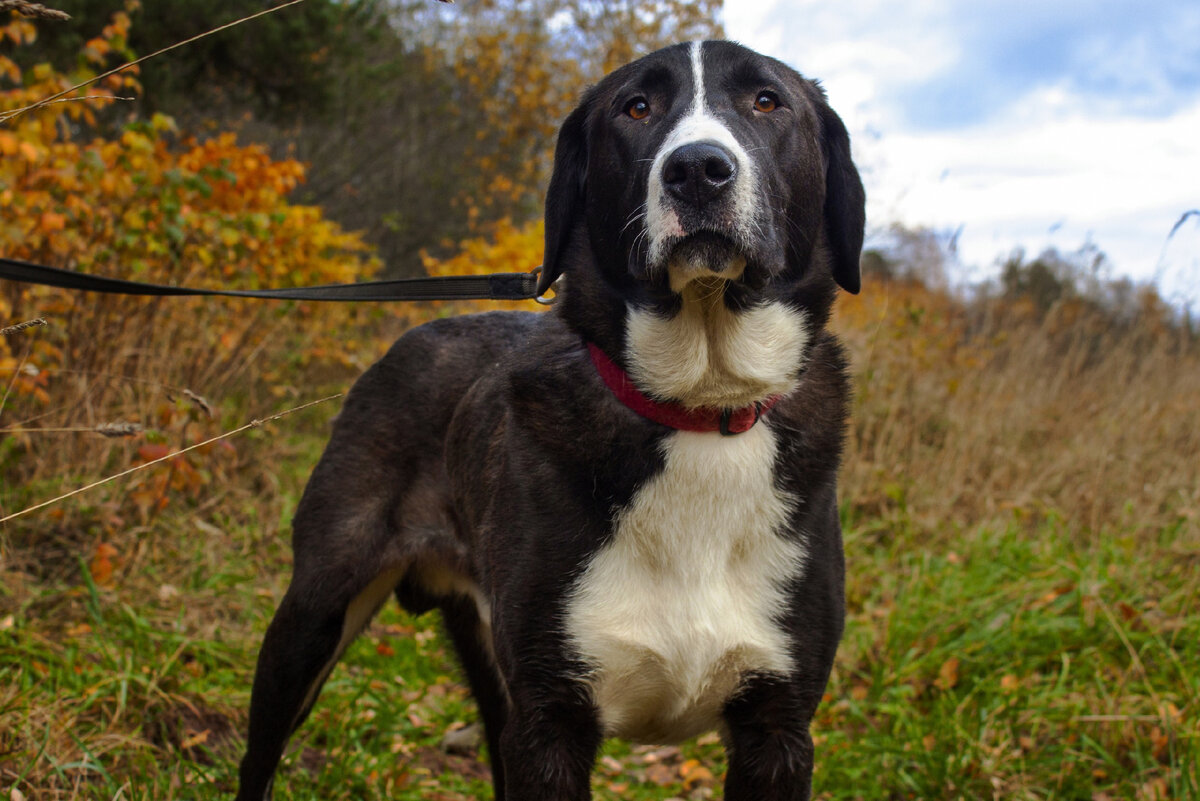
(638, 108)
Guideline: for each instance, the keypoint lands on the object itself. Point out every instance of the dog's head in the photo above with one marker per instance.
(701, 195)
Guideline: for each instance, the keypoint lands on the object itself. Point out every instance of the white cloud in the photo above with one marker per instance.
(1024, 124)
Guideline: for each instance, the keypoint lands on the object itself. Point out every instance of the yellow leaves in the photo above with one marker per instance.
(19, 31)
(131, 220)
(97, 50)
(136, 141)
(11, 145)
(510, 249)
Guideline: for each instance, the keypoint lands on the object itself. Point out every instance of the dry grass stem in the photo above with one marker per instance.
(114, 430)
(35, 10)
(198, 400)
(14, 329)
(110, 430)
(11, 115)
(181, 451)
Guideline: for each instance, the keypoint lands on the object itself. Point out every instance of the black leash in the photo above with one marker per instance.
(496, 286)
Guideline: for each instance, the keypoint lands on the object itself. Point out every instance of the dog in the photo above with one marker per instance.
(624, 508)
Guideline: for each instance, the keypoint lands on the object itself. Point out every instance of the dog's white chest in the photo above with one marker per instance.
(682, 603)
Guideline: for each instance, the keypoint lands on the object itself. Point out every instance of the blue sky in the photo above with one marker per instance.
(1023, 124)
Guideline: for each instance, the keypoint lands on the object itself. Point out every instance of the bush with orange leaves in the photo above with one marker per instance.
(137, 201)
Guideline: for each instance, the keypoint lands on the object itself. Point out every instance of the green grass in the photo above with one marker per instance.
(1011, 661)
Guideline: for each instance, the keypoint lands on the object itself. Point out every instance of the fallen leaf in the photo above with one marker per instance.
(196, 739)
(660, 774)
(670, 752)
(947, 674)
(152, 451)
(695, 775)
(102, 564)
(1154, 790)
(611, 765)
(1127, 612)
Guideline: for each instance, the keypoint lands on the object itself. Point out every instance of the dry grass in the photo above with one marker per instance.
(968, 413)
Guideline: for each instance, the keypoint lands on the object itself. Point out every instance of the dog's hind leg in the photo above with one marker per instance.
(328, 603)
(471, 637)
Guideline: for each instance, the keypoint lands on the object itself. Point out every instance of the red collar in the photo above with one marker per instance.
(705, 418)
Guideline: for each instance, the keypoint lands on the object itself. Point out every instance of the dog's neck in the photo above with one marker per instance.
(708, 355)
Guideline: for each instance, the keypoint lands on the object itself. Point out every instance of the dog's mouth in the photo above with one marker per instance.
(704, 255)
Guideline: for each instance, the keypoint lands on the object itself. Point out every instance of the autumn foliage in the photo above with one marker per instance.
(83, 190)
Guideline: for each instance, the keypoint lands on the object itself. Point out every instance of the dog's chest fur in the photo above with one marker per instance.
(681, 604)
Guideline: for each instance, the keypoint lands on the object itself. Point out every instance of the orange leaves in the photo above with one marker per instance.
(52, 221)
(660, 766)
(19, 31)
(102, 565)
(144, 205)
(695, 775)
(947, 677)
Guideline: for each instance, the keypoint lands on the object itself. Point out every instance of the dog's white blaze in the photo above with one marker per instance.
(681, 604)
(707, 355)
(699, 125)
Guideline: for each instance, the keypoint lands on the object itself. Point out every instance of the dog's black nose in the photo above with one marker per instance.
(699, 172)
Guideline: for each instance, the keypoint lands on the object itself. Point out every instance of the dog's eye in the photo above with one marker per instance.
(638, 108)
(766, 102)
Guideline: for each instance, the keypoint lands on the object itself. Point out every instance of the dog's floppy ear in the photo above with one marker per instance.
(564, 197)
(845, 201)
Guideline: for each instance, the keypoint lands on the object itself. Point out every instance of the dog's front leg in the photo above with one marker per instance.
(549, 743)
(768, 743)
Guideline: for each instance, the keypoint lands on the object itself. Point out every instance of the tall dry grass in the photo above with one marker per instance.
(987, 410)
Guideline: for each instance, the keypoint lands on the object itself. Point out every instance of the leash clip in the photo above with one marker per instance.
(542, 299)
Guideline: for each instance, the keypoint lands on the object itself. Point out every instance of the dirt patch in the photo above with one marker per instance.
(194, 730)
(437, 762)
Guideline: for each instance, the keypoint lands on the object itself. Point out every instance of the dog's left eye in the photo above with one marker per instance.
(766, 102)
(638, 108)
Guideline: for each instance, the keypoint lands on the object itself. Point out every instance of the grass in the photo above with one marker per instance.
(1013, 662)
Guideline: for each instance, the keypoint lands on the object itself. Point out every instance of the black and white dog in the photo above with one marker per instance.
(625, 509)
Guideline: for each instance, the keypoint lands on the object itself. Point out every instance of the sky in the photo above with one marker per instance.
(1016, 124)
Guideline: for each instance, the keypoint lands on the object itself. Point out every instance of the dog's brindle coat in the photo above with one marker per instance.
(599, 573)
